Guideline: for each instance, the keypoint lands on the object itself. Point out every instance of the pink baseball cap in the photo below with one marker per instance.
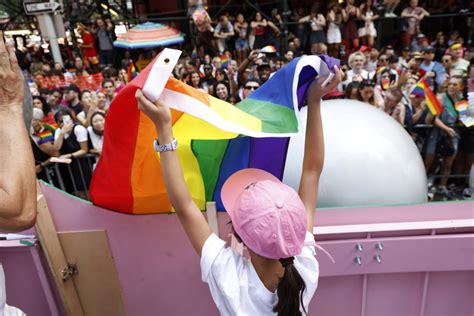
(268, 215)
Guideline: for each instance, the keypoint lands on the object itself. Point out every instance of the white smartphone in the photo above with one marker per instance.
(66, 119)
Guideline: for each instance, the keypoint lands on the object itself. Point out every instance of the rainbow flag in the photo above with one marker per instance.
(46, 135)
(269, 49)
(224, 61)
(131, 71)
(422, 89)
(210, 133)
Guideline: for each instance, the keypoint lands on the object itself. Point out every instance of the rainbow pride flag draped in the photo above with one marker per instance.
(210, 134)
(422, 89)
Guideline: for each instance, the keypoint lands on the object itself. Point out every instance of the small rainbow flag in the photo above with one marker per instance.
(131, 71)
(46, 135)
(194, 54)
(224, 61)
(461, 107)
(422, 89)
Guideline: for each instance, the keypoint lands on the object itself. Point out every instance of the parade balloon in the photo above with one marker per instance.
(369, 158)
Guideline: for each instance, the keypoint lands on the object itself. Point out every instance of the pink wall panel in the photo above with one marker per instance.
(451, 293)
(394, 294)
(338, 296)
(159, 271)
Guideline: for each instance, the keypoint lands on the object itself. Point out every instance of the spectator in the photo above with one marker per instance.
(234, 99)
(70, 139)
(40, 103)
(96, 133)
(418, 43)
(88, 46)
(349, 31)
(413, 15)
(459, 65)
(54, 100)
(249, 87)
(352, 90)
(445, 133)
(101, 102)
(368, 15)
(42, 142)
(317, 22)
(196, 81)
(222, 90)
(438, 73)
(72, 98)
(105, 36)
(224, 31)
(257, 36)
(208, 80)
(79, 68)
(334, 18)
(142, 61)
(439, 45)
(263, 68)
(241, 27)
(447, 62)
(356, 62)
(108, 87)
(366, 92)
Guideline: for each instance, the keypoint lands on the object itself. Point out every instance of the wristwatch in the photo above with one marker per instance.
(166, 147)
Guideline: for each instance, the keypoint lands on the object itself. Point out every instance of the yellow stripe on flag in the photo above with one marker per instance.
(233, 114)
(189, 126)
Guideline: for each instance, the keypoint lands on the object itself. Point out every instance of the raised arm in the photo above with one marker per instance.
(17, 167)
(314, 146)
(190, 216)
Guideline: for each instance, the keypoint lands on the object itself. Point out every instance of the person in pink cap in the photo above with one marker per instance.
(272, 220)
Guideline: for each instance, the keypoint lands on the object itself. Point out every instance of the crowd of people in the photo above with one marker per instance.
(237, 55)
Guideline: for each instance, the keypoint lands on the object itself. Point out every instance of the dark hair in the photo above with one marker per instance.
(234, 96)
(225, 83)
(190, 81)
(107, 80)
(290, 290)
(363, 84)
(350, 86)
(222, 72)
(92, 118)
(46, 109)
(64, 111)
(82, 93)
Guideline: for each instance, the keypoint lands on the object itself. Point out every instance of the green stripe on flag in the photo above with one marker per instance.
(209, 154)
(275, 118)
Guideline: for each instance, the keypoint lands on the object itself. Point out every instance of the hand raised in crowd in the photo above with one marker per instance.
(67, 128)
(11, 79)
(253, 55)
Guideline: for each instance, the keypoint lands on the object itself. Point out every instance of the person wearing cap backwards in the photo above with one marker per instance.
(435, 70)
(272, 221)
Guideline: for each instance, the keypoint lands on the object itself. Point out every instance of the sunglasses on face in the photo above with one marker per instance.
(446, 60)
(251, 87)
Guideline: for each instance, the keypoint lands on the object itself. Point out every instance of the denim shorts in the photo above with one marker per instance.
(435, 136)
(241, 43)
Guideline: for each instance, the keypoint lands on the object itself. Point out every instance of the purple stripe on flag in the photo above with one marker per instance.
(269, 154)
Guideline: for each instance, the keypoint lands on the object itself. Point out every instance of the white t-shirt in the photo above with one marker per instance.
(235, 285)
(96, 140)
(80, 132)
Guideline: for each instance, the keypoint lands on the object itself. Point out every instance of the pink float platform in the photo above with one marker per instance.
(426, 255)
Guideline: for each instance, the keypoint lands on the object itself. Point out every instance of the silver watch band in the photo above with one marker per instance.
(166, 147)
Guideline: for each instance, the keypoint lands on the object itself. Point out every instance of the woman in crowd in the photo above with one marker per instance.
(317, 22)
(366, 92)
(334, 19)
(349, 30)
(356, 63)
(71, 140)
(367, 31)
(241, 28)
(101, 102)
(40, 103)
(221, 90)
(195, 81)
(96, 132)
(258, 26)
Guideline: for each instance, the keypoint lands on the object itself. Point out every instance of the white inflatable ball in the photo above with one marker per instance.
(369, 158)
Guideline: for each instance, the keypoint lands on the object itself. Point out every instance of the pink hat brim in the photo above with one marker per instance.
(236, 184)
